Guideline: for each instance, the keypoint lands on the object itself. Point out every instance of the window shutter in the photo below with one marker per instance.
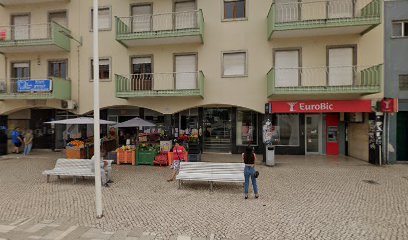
(286, 68)
(140, 60)
(186, 76)
(60, 18)
(104, 18)
(234, 64)
(185, 15)
(340, 66)
(141, 18)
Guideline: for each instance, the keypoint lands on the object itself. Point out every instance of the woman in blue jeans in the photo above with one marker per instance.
(249, 159)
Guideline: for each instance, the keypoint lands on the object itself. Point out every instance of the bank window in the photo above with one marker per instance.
(234, 9)
(105, 20)
(400, 29)
(104, 69)
(286, 130)
(57, 69)
(234, 64)
(403, 82)
(247, 128)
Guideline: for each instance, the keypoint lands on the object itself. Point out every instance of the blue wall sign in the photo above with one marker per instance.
(34, 85)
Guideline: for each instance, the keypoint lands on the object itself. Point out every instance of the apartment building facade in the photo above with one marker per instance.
(206, 66)
(396, 75)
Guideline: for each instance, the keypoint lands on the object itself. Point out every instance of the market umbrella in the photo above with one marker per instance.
(135, 122)
(80, 120)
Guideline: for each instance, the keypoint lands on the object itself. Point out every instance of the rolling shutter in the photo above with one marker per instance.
(286, 68)
(340, 66)
(186, 73)
(21, 28)
(141, 18)
(185, 15)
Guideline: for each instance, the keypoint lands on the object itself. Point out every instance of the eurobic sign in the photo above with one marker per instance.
(320, 106)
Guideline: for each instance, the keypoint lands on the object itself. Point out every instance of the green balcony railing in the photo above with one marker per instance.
(180, 84)
(180, 25)
(34, 35)
(323, 14)
(29, 88)
(325, 80)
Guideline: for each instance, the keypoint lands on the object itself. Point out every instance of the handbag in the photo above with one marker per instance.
(256, 174)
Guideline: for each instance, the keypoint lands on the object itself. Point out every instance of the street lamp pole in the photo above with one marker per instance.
(97, 136)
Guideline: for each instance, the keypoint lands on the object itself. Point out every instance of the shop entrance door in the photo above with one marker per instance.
(402, 136)
(217, 130)
(313, 134)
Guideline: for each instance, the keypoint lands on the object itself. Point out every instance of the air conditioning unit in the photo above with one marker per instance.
(69, 104)
(3, 87)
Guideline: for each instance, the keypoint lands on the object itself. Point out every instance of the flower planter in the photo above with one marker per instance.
(145, 158)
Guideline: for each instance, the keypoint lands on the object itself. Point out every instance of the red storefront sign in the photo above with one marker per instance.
(321, 106)
(389, 105)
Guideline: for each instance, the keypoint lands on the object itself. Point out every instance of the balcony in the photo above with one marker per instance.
(35, 89)
(181, 84)
(158, 29)
(325, 80)
(47, 37)
(23, 2)
(323, 18)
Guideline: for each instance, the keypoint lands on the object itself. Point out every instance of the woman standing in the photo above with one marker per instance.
(249, 159)
(178, 155)
(28, 141)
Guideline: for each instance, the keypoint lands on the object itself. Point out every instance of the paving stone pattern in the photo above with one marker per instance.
(301, 198)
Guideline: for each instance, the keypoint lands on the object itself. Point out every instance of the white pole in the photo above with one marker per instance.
(97, 140)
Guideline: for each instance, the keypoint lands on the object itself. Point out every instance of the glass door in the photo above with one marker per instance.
(217, 130)
(313, 134)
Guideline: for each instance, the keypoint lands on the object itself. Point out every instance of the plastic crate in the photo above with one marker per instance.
(126, 157)
(145, 158)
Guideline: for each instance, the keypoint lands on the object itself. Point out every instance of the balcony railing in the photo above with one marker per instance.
(325, 80)
(35, 88)
(184, 27)
(358, 15)
(160, 84)
(34, 37)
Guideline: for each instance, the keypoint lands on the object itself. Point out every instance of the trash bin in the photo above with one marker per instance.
(270, 156)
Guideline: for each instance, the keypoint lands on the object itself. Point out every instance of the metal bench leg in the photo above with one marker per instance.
(211, 186)
(48, 178)
(74, 180)
(179, 184)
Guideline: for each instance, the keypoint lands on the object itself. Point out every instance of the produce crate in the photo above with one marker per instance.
(126, 157)
(75, 153)
(145, 158)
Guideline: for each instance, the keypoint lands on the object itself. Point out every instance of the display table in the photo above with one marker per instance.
(126, 157)
(75, 153)
(170, 157)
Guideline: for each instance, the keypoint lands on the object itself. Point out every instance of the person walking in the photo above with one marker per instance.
(178, 156)
(249, 159)
(28, 141)
(16, 139)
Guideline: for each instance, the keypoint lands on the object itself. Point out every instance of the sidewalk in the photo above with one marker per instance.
(303, 197)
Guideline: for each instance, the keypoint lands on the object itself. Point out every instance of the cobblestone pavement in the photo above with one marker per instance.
(302, 197)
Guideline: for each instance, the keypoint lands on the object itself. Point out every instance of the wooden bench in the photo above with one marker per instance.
(71, 167)
(211, 172)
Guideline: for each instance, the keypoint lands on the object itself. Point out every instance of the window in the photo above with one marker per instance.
(104, 69)
(104, 15)
(141, 73)
(57, 69)
(287, 68)
(287, 129)
(186, 71)
(234, 9)
(234, 64)
(400, 29)
(141, 18)
(59, 17)
(20, 70)
(403, 82)
(247, 128)
(21, 27)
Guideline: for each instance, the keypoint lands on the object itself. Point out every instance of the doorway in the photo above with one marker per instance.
(217, 130)
(402, 136)
(313, 129)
